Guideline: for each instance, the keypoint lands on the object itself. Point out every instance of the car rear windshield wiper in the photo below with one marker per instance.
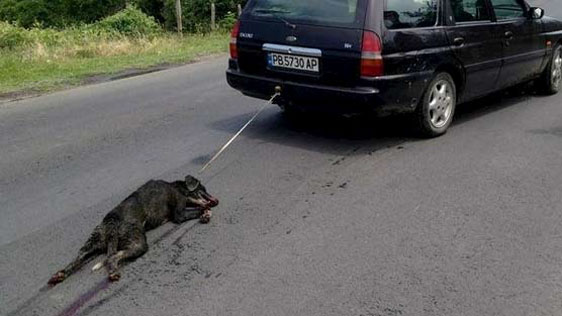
(274, 13)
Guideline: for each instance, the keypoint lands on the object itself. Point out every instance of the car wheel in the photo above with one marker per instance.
(437, 108)
(551, 80)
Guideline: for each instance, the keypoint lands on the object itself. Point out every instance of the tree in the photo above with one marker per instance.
(179, 16)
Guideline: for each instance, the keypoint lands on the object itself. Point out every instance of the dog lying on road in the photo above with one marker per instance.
(122, 233)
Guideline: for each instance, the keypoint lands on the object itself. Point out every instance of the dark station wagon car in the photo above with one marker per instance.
(392, 56)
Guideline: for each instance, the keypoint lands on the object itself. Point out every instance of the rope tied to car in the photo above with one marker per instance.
(258, 112)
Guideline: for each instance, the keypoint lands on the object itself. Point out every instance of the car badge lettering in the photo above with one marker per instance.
(291, 39)
(247, 35)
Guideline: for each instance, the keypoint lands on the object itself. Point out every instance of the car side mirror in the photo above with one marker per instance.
(536, 13)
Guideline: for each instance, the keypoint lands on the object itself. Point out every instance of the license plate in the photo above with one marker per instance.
(310, 64)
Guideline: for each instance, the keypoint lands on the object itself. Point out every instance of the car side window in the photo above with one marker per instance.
(470, 10)
(508, 9)
(400, 14)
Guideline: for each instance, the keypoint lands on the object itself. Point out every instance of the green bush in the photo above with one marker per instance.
(12, 36)
(122, 25)
(16, 37)
(228, 21)
(130, 22)
(29, 12)
(57, 13)
(62, 13)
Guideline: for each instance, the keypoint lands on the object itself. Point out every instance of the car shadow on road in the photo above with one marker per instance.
(344, 136)
(319, 132)
(495, 102)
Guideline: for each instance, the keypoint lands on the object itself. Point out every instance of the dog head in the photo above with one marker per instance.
(197, 193)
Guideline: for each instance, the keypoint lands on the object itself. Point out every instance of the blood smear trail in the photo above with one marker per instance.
(84, 298)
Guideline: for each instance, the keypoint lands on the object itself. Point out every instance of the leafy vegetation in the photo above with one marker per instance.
(46, 44)
(130, 22)
(57, 13)
(42, 59)
(127, 23)
(62, 13)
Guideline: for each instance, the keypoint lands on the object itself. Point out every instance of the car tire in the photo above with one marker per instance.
(435, 112)
(551, 81)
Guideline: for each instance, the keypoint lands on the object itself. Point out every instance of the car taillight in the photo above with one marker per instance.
(233, 40)
(371, 55)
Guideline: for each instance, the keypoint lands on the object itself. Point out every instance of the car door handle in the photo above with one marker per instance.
(509, 35)
(459, 41)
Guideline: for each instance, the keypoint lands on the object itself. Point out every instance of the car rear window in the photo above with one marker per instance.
(401, 14)
(344, 13)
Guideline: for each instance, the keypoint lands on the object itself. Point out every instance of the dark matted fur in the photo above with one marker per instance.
(122, 232)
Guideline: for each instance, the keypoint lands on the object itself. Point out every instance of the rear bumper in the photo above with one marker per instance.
(383, 95)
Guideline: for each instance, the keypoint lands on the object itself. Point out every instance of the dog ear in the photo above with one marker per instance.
(192, 184)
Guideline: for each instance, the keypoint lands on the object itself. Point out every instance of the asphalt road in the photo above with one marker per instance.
(321, 216)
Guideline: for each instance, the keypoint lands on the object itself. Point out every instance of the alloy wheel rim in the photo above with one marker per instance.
(441, 104)
(557, 68)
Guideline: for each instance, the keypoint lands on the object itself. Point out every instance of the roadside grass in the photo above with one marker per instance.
(51, 60)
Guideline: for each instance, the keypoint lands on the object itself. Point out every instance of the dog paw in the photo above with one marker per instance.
(114, 277)
(57, 278)
(206, 217)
